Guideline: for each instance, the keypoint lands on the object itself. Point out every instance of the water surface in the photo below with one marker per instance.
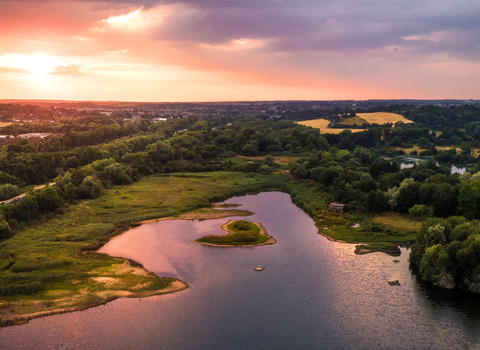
(313, 294)
(409, 162)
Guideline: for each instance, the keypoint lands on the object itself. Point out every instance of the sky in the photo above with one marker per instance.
(226, 50)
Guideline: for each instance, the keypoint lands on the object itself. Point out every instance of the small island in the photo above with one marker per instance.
(240, 233)
(387, 248)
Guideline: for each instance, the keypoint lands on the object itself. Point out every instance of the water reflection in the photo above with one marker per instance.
(313, 294)
(409, 162)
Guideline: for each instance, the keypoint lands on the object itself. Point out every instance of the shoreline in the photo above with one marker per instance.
(10, 319)
(270, 240)
(176, 285)
(198, 215)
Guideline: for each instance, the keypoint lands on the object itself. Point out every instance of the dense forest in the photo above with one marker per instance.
(87, 155)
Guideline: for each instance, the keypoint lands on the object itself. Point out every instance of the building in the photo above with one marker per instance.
(337, 207)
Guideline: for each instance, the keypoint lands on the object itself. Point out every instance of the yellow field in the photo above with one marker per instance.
(322, 124)
(383, 118)
(2, 124)
(475, 151)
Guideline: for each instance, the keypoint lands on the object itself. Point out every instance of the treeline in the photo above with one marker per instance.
(11, 111)
(84, 172)
(442, 119)
(364, 182)
(447, 253)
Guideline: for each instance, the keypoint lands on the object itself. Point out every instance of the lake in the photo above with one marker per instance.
(313, 294)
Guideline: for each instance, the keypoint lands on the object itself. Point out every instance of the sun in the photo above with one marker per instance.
(37, 64)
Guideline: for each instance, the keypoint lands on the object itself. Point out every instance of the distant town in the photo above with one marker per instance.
(162, 111)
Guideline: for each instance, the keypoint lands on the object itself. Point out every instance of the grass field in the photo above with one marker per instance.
(282, 162)
(475, 151)
(383, 118)
(376, 229)
(322, 124)
(357, 121)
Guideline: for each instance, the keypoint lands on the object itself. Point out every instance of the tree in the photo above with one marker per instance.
(376, 201)
(420, 211)
(49, 199)
(115, 173)
(250, 149)
(27, 208)
(444, 199)
(269, 160)
(8, 191)
(72, 162)
(161, 151)
(90, 188)
(468, 198)
(367, 183)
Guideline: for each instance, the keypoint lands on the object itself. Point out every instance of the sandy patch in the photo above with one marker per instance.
(126, 267)
(141, 285)
(108, 281)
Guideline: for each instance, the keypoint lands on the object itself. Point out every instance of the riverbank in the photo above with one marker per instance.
(204, 214)
(51, 265)
(111, 285)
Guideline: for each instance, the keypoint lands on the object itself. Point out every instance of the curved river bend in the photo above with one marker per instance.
(313, 294)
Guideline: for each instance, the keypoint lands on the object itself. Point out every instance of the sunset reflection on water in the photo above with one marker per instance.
(313, 293)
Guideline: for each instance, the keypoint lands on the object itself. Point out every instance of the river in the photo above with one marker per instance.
(313, 294)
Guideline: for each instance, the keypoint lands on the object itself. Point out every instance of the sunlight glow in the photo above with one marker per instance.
(123, 18)
(38, 65)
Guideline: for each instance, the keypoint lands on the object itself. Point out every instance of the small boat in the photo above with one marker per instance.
(258, 268)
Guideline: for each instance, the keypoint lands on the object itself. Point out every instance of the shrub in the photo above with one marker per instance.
(420, 211)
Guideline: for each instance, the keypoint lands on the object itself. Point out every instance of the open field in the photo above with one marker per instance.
(283, 162)
(475, 151)
(379, 229)
(322, 124)
(396, 221)
(356, 121)
(383, 118)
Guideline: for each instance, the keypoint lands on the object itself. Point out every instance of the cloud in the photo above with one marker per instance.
(269, 42)
(71, 69)
(343, 26)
